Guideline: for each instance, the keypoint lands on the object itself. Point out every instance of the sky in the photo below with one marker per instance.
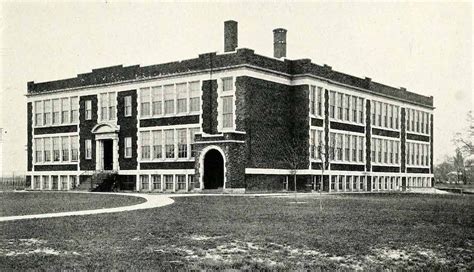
(424, 47)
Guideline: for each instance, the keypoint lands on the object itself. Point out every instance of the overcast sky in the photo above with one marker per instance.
(425, 47)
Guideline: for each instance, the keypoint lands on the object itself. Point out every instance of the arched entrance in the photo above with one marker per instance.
(213, 170)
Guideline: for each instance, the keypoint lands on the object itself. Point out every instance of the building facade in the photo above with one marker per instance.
(230, 121)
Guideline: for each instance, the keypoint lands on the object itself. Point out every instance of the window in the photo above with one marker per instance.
(379, 150)
(54, 182)
(63, 182)
(181, 182)
(379, 114)
(427, 123)
(332, 104)
(56, 149)
(145, 144)
(65, 148)
(347, 143)
(168, 182)
(145, 102)
(332, 143)
(361, 149)
(390, 151)
(417, 154)
(191, 183)
(88, 150)
(354, 148)
(56, 111)
(74, 109)
(47, 112)
(347, 104)
(373, 148)
(65, 110)
(408, 153)
(354, 109)
(360, 106)
(340, 106)
(319, 101)
(39, 150)
(169, 99)
(45, 182)
(112, 106)
(157, 147)
(227, 84)
(192, 133)
(339, 147)
(194, 95)
(395, 114)
(156, 96)
(156, 180)
(182, 143)
(227, 112)
(422, 125)
(396, 152)
(319, 141)
(182, 94)
(312, 144)
(413, 120)
(390, 116)
(384, 114)
(39, 113)
(127, 101)
(422, 157)
(312, 100)
(47, 149)
(385, 151)
(88, 110)
(128, 147)
(145, 182)
(417, 114)
(169, 143)
(37, 182)
(74, 148)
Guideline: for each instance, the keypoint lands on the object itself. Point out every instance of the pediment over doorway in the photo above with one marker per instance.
(105, 128)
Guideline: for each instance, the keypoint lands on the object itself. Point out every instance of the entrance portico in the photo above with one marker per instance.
(106, 138)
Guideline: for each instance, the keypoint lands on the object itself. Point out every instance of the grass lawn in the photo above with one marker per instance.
(359, 231)
(47, 202)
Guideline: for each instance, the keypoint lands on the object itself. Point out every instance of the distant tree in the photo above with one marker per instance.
(464, 157)
(442, 170)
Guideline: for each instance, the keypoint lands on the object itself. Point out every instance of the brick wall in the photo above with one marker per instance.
(209, 106)
(29, 130)
(85, 132)
(128, 128)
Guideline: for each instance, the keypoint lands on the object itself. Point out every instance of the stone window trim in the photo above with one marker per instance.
(43, 111)
(154, 98)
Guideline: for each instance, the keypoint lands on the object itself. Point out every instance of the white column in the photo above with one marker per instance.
(59, 182)
(137, 183)
(162, 183)
(174, 183)
(68, 182)
(116, 155)
(149, 183)
(32, 185)
(187, 182)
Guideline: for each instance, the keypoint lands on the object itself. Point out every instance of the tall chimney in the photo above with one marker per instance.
(230, 36)
(279, 43)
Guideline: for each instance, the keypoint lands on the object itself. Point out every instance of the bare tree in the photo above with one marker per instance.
(325, 153)
(293, 152)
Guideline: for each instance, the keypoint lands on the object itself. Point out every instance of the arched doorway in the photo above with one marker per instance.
(213, 170)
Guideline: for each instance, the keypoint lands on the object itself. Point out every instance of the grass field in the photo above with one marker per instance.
(49, 202)
(370, 232)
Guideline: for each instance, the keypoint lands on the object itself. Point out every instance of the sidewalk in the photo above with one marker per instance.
(152, 201)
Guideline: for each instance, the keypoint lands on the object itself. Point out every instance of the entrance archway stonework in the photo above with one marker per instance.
(106, 131)
(233, 153)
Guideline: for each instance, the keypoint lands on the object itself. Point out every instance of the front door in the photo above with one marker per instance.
(213, 170)
(108, 154)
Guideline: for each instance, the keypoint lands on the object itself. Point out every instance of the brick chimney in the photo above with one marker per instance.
(230, 36)
(279, 43)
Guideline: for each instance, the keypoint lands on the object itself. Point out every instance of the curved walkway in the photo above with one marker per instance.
(152, 201)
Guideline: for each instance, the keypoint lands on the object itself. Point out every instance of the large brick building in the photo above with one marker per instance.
(228, 121)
